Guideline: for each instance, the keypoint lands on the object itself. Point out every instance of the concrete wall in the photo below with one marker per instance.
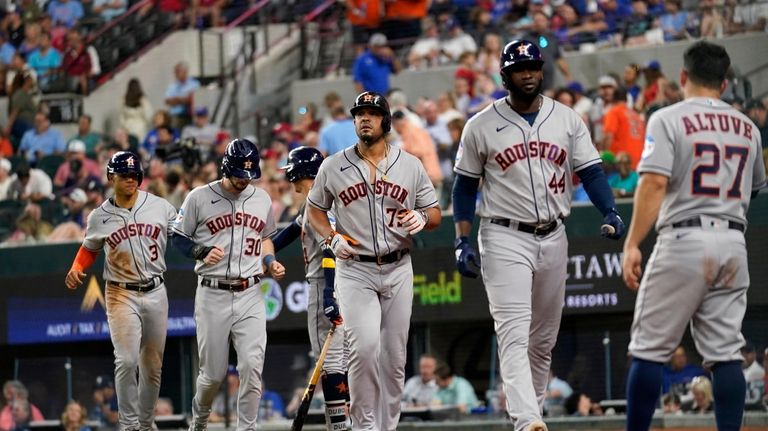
(748, 52)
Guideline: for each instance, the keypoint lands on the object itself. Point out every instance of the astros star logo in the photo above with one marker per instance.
(523, 49)
(342, 388)
(130, 162)
(368, 98)
(248, 164)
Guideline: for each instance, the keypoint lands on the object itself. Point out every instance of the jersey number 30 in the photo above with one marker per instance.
(703, 149)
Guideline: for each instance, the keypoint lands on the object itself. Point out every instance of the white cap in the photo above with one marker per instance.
(78, 195)
(5, 165)
(377, 39)
(607, 81)
(76, 146)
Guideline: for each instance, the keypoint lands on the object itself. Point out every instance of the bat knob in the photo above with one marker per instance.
(607, 229)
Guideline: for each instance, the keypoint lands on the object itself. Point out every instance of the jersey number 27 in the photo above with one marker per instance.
(731, 151)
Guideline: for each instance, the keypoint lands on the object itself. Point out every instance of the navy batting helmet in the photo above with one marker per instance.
(370, 99)
(517, 52)
(241, 160)
(125, 162)
(303, 162)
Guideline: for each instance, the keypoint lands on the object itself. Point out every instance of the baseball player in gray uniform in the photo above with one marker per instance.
(322, 309)
(700, 167)
(381, 197)
(526, 148)
(133, 225)
(226, 226)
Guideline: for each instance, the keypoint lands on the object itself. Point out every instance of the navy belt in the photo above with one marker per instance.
(535, 229)
(384, 259)
(237, 285)
(696, 222)
(138, 287)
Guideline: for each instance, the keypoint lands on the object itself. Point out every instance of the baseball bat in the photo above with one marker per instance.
(306, 399)
(607, 229)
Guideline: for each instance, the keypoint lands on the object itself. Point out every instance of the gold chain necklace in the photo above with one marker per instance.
(386, 155)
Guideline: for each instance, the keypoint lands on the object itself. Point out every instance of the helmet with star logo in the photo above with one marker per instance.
(125, 162)
(516, 53)
(241, 160)
(370, 99)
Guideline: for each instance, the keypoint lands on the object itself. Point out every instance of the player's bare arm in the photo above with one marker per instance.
(648, 197)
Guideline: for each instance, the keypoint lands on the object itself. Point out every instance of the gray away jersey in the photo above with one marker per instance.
(366, 212)
(237, 224)
(712, 156)
(135, 239)
(526, 169)
(311, 244)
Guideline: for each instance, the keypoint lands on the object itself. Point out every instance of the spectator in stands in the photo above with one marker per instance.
(203, 132)
(163, 407)
(161, 118)
(42, 140)
(30, 185)
(31, 41)
(485, 93)
(109, 9)
(6, 56)
(578, 404)
(623, 129)
(674, 22)
(104, 410)
(454, 390)
(19, 66)
(461, 94)
(419, 390)
(416, 141)
(558, 390)
(210, 9)
(72, 221)
(615, 12)
(525, 22)
(746, 17)
(365, 17)
(671, 95)
(398, 101)
(73, 417)
(630, 77)
(94, 191)
(625, 183)
(550, 49)
(30, 229)
(271, 406)
(757, 112)
(65, 13)
(13, 390)
(46, 61)
(753, 372)
(91, 139)
(636, 25)
(456, 42)
(565, 96)
(15, 26)
(373, 67)
(426, 50)
(5, 178)
(308, 119)
(21, 106)
(30, 11)
(178, 96)
(488, 57)
(606, 88)
(466, 69)
(330, 101)
(581, 104)
(701, 388)
(77, 168)
(712, 22)
(22, 415)
(679, 373)
(136, 112)
(654, 83)
(126, 142)
(77, 62)
(177, 187)
(446, 107)
(671, 404)
(339, 134)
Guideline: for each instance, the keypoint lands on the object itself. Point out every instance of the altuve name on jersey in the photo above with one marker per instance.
(385, 188)
(132, 230)
(543, 150)
(224, 221)
(711, 122)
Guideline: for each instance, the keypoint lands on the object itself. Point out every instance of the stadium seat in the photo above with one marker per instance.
(50, 164)
(15, 162)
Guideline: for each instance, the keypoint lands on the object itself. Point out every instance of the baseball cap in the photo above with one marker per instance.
(607, 81)
(282, 128)
(201, 111)
(103, 382)
(377, 39)
(76, 146)
(607, 157)
(576, 87)
(78, 195)
(93, 184)
(653, 65)
(5, 165)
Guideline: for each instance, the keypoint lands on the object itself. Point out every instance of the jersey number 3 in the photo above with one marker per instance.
(702, 150)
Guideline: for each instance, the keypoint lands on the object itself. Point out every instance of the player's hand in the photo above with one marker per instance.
(214, 256)
(413, 221)
(341, 247)
(467, 261)
(613, 226)
(276, 270)
(74, 279)
(630, 267)
(331, 308)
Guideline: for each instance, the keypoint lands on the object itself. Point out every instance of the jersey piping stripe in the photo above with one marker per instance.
(426, 206)
(541, 164)
(469, 174)
(316, 205)
(655, 170)
(134, 213)
(242, 236)
(231, 231)
(371, 211)
(525, 144)
(586, 164)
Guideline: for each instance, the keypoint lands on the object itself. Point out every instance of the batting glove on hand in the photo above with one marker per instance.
(413, 221)
(613, 227)
(467, 261)
(331, 308)
(341, 248)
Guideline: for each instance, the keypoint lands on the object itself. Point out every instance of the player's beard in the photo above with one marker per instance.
(525, 97)
(236, 186)
(368, 139)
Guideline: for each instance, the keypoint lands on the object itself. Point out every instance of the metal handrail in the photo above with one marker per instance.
(245, 15)
(108, 26)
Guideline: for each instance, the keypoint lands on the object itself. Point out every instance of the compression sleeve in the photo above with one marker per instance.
(464, 197)
(597, 188)
(286, 236)
(84, 259)
(186, 246)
